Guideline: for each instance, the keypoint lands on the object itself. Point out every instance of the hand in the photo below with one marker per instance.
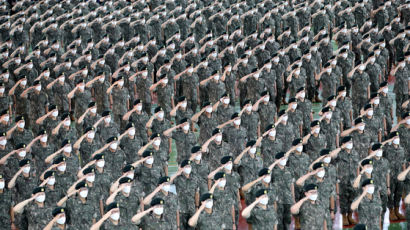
(388, 191)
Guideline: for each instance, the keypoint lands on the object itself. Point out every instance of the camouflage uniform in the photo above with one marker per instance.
(269, 148)
(283, 181)
(236, 138)
(345, 107)
(312, 215)
(263, 219)
(267, 113)
(360, 82)
(314, 145)
(140, 120)
(346, 164)
(37, 216)
(150, 222)
(186, 188)
(370, 211)
(82, 214)
(361, 143)
(250, 123)
(249, 167)
(330, 131)
(184, 143)
(396, 157)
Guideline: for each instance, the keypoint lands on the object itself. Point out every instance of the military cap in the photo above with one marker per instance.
(20, 146)
(279, 155)
(57, 211)
(154, 135)
(216, 131)
(324, 152)
(58, 160)
(147, 153)
(128, 168)
(157, 109)
(206, 196)
(264, 93)
(4, 112)
(331, 98)
(195, 149)
(393, 134)
(219, 175)
(49, 174)
(80, 81)
(129, 125)
(309, 187)
(124, 180)
(376, 146)
(261, 192)
(400, 59)
(226, 159)
(111, 139)
(88, 129)
(341, 88)
(65, 115)
(181, 99)
(235, 115)
(269, 127)
(99, 156)
(317, 165)
(282, 112)
(314, 123)
(41, 132)
(358, 120)
(163, 180)
(405, 114)
(3, 134)
(263, 172)
(326, 109)
(81, 184)
(367, 106)
(112, 206)
(367, 182)
(88, 170)
(185, 163)
(19, 118)
(346, 139)
(183, 120)
(296, 142)
(157, 201)
(366, 162)
(246, 102)
(373, 95)
(52, 107)
(24, 162)
(106, 113)
(91, 104)
(39, 189)
(250, 143)
(205, 104)
(383, 84)
(137, 101)
(37, 82)
(65, 142)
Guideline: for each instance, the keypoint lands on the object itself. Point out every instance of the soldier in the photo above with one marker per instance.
(361, 139)
(386, 105)
(130, 143)
(360, 88)
(326, 189)
(200, 169)
(263, 181)
(250, 120)
(206, 217)
(64, 130)
(236, 134)
(108, 128)
(316, 142)
(401, 85)
(206, 122)
(153, 217)
(41, 150)
(187, 187)
(344, 105)
(330, 128)
(165, 94)
(184, 138)
(346, 163)
(283, 182)
(140, 118)
(225, 108)
(83, 210)
(19, 134)
(180, 111)
(115, 158)
(368, 205)
(260, 213)
(6, 202)
(248, 165)
(295, 116)
(286, 131)
(310, 209)
(374, 125)
(149, 171)
(38, 213)
(298, 162)
(158, 123)
(396, 156)
(119, 100)
(112, 212)
(266, 108)
(270, 145)
(143, 84)
(227, 201)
